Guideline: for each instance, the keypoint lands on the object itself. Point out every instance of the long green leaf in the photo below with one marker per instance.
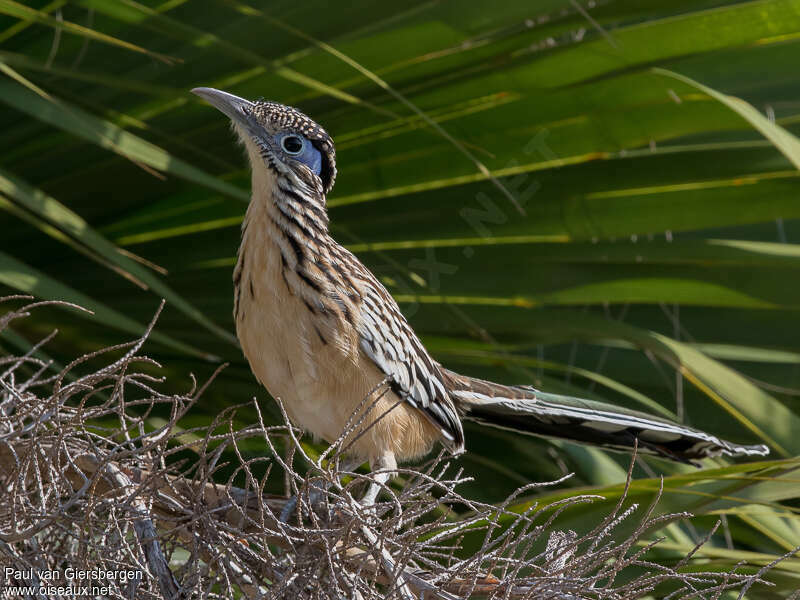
(784, 141)
(134, 12)
(28, 99)
(15, 9)
(52, 211)
(24, 278)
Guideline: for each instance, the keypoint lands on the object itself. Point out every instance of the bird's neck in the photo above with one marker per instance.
(296, 207)
(285, 235)
(288, 223)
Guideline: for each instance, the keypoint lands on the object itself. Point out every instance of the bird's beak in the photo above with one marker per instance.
(237, 109)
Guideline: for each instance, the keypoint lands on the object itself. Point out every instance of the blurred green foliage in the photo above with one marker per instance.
(652, 146)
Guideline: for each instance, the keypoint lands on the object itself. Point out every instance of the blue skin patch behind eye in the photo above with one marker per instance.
(311, 157)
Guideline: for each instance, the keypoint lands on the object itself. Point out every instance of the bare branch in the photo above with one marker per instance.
(91, 483)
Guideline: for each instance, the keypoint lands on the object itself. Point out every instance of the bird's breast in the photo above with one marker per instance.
(303, 356)
(310, 359)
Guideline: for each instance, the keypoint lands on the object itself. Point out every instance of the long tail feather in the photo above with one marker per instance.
(530, 411)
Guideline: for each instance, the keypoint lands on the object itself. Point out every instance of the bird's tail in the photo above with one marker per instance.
(526, 410)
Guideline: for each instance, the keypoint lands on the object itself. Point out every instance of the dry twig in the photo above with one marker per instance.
(89, 484)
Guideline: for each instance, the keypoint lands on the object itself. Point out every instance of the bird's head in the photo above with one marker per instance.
(280, 137)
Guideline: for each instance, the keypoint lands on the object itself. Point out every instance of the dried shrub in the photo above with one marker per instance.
(89, 484)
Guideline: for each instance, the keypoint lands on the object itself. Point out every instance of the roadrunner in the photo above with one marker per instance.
(322, 334)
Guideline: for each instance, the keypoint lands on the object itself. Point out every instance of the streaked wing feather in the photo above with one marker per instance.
(387, 339)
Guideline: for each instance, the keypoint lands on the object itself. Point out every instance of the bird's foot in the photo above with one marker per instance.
(316, 498)
(318, 492)
(288, 509)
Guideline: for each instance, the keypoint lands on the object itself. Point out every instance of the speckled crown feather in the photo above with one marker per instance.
(280, 116)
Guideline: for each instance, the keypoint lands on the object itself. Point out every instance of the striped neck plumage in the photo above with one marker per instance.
(298, 204)
(293, 221)
(291, 218)
(294, 207)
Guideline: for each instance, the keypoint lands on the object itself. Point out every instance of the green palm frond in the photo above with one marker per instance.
(653, 147)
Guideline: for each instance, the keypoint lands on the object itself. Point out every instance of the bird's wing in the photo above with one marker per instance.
(387, 339)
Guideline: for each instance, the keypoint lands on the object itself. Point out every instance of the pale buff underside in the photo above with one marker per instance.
(321, 385)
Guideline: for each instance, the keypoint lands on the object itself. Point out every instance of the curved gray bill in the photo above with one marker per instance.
(226, 103)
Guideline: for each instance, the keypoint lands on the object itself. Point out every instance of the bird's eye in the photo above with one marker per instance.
(292, 144)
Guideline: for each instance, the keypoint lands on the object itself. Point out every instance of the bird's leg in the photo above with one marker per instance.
(385, 463)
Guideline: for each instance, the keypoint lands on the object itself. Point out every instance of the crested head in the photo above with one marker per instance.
(283, 138)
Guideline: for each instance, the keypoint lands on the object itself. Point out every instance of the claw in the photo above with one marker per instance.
(315, 497)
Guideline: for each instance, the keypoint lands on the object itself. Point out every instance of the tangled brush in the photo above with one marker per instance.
(92, 484)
